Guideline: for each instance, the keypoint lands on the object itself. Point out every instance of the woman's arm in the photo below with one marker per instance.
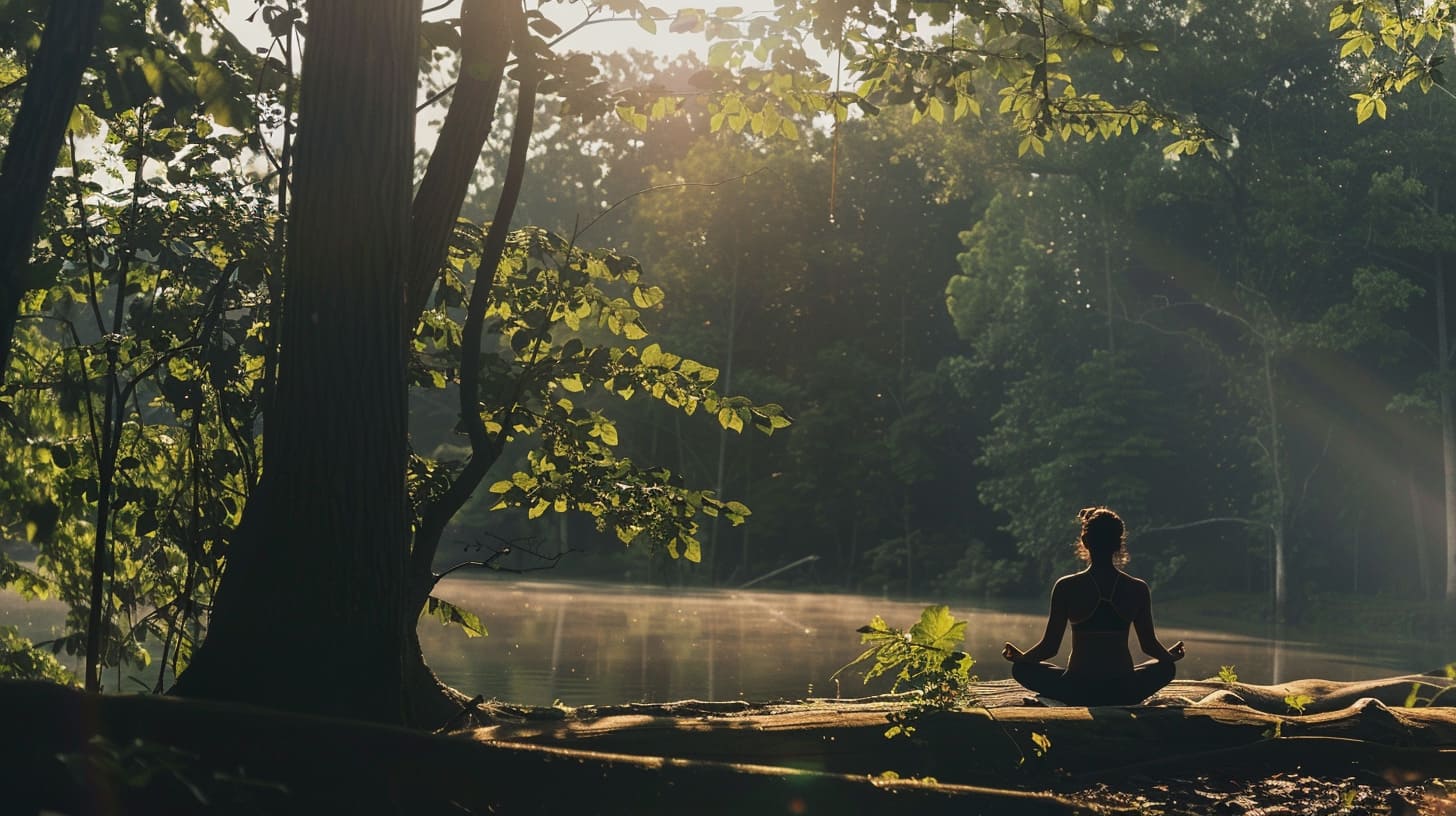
(1051, 639)
(1147, 636)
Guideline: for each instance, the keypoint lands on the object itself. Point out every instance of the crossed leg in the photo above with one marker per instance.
(1056, 682)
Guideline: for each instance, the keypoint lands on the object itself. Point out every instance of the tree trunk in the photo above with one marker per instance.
(430, 703)
(316, 576)
(35, 141)
(1424, 574)
(726, 388)
(1281, 516)
(1448, 429)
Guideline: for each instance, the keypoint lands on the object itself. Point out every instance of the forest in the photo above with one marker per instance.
(309, 305)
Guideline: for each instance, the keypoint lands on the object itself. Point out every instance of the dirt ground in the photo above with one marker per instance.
(1278, 795)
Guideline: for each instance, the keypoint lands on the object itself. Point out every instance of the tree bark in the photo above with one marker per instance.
(316, 575)
(35, 141)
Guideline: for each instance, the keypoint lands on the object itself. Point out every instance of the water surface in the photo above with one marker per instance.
(598, 643)
(604, 643)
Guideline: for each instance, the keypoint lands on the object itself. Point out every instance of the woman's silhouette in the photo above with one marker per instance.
(1101, 602)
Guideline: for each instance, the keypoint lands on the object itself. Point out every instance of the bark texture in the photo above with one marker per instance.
(315, 579)
(35, 140)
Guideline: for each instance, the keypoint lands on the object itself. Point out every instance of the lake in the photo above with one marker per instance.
(602, 643)
(597, 643)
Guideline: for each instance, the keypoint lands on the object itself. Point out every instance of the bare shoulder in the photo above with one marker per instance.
(1139, 587)
(1064, 585)
(1067, 582)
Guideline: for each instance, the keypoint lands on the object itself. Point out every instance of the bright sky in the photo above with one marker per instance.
(614, 36)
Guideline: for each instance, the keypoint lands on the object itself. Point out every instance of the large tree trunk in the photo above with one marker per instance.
(35, 140)
(316, 577)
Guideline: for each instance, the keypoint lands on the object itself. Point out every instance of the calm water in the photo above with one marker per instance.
(600, 643)
(589, 643)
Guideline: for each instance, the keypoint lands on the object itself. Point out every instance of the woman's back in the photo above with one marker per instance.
(1101, 606)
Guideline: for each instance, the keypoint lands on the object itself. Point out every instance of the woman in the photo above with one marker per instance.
(1101, 602)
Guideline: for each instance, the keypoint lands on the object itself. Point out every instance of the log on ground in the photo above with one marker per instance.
(1191, 726)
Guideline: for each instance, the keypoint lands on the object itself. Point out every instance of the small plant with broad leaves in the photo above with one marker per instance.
(1297, 702)
(924, 659)
(1415, 699)
(1227, 675)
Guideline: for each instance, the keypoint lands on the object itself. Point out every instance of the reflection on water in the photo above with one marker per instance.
(588, 643)
(601, 643)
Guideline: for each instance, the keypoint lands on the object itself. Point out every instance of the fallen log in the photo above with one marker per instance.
(1192, 727)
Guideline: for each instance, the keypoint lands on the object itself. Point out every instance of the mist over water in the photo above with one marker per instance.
(584, 643)
(602, 643)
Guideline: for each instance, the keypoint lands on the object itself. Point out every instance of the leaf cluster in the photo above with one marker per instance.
(923, 659)
(567, 325)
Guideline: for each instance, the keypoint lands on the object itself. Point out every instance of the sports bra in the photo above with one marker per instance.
(1105, 619)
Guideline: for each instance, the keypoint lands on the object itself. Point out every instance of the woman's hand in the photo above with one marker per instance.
(1012, 653)
(1176, 652)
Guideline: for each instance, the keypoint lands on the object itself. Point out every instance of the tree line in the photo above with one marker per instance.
(1242, 350)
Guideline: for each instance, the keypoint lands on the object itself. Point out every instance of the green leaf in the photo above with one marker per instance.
(448, 613)
(1297, 702)
(938, 629)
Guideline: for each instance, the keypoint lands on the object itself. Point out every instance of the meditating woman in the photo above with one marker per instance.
(1101, 602)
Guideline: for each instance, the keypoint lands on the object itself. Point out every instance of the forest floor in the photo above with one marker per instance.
(1280, 794)
(1204, 748)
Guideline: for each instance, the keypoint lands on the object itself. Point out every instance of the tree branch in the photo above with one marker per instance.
(484, 449)
(1163, 528)
(485, 46)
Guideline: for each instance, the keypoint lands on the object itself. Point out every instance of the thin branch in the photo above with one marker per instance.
(1163, 528)
(1304, 490)
(436, 97)
(490, 564)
